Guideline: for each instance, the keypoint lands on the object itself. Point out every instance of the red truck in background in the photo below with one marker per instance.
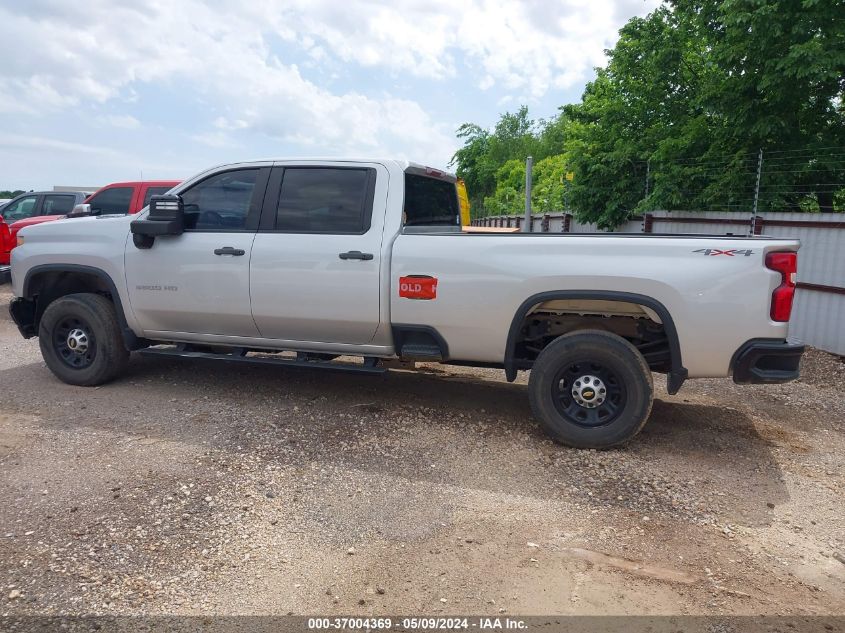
(122, 198)
(119, 198)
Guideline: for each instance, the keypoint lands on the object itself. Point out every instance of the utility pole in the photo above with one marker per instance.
(529, 164)
(757, 189)
(647, 172)
(757, 186)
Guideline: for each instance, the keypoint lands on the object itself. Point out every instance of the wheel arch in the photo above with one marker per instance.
(677, 374)
(45, 283)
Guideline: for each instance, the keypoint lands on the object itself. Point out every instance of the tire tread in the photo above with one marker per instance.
(112, 355)
(612, 435)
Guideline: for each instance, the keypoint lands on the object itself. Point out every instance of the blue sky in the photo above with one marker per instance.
(132, 88)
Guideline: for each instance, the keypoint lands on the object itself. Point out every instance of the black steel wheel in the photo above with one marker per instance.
(588, 393)
(74, 342)
(591, 389)
(81, 340)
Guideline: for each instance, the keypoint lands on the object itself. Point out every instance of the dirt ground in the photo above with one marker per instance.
(190, 487)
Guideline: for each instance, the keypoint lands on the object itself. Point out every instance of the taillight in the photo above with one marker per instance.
(5, 236)
(787, 265)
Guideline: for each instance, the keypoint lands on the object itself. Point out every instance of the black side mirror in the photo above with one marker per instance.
(166, 217)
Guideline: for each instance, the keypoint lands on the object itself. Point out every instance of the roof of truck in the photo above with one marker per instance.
(396, 162)
(133, 183)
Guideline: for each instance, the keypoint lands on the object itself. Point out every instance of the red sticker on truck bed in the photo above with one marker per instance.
(418, 287)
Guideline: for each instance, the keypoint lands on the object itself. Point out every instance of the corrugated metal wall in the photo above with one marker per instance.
(818, 317)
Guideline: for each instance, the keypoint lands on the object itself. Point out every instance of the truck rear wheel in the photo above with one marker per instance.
(80, 340)
(591, 389)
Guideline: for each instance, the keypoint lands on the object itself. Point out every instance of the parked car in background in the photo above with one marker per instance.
(3, 202)
(118, 198)
(123, 198)
(31, 208)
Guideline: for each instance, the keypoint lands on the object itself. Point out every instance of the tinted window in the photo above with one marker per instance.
(429, 202)
(20, 209)
(324, 200)
(154, 191)
(220, 202)
(113, 201)
(58, 205)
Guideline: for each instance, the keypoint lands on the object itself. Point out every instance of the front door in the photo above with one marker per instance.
(198, 282)
(316, 258)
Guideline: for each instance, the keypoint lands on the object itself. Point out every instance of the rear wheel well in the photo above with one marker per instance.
(642, 321)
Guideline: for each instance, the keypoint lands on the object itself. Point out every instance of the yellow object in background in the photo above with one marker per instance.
(463, 199)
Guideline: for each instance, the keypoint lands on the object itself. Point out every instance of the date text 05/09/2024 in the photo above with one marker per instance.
(417, 624)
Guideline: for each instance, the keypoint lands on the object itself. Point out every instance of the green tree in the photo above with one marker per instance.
(688, 97)
(782, 85)
(478, 162)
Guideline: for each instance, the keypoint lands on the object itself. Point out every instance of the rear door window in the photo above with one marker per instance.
(114, 201)
(58, 205)
(325, 200)
(430, 202)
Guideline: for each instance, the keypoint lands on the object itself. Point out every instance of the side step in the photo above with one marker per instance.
(369, 367)
(420, 352)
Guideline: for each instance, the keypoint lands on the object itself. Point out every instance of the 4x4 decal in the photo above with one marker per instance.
(729, 252)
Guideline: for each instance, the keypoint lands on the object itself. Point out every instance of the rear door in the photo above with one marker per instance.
(317, 255)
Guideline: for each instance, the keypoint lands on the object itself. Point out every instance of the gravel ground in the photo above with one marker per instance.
(190, 487)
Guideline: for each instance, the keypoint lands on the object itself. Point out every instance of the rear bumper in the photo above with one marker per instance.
(5, 274)
(767, 361)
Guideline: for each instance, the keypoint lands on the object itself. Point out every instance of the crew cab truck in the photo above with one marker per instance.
(258, 261)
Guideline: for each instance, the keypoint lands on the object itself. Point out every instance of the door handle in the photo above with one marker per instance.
(356, 255)
(228, 250)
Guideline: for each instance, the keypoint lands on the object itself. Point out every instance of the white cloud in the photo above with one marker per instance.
(125, 121)
(37, 143)
(221, 53)
(533, 45)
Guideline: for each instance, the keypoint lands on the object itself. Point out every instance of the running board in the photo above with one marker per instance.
(369, 366)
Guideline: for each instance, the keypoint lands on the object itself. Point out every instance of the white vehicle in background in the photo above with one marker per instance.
(298, 262)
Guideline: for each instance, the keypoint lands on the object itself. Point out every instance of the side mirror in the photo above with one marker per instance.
(166, 217)
(80, 211)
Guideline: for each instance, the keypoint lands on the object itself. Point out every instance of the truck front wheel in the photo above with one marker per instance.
(591, 389)
(80, 340)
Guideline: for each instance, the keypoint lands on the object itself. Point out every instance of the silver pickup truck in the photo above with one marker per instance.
(361, 265)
